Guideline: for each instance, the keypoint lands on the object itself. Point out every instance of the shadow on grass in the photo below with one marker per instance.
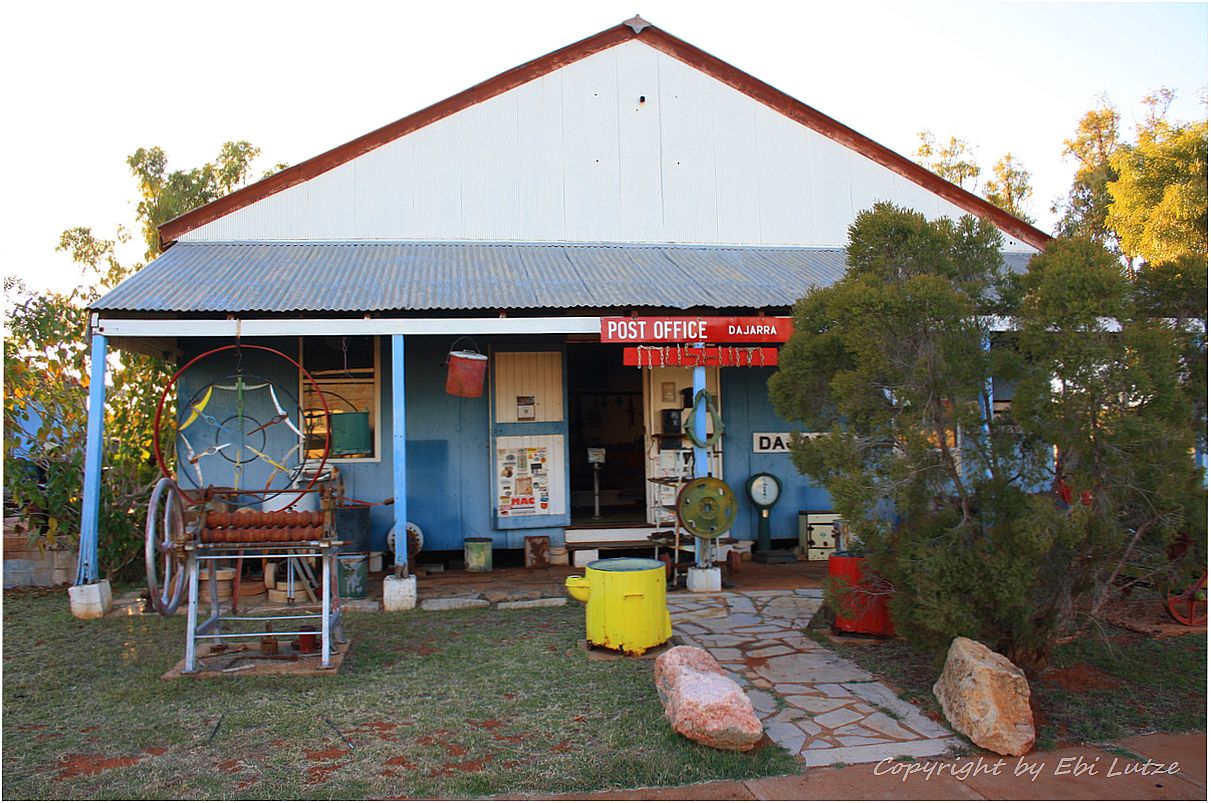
(1101, 686)
(457, 704)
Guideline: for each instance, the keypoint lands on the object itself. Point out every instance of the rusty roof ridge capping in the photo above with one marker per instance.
(634, 28)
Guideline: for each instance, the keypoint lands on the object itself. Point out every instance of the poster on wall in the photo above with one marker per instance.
(524, 480)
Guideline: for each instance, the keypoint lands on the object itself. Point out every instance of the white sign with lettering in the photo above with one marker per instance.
(771, 442)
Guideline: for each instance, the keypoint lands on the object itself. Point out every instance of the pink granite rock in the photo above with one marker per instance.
(702, 703)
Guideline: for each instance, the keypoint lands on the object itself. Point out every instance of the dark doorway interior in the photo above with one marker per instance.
(606, 401)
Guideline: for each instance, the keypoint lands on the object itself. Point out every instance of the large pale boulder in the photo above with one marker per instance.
(986, 698)
(702, 703)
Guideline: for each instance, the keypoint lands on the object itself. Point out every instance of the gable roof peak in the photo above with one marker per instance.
(637, 23)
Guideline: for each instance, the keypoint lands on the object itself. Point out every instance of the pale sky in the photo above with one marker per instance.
(88, 83)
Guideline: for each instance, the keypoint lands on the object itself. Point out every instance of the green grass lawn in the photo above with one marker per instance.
(459, 704)
(1101, 686)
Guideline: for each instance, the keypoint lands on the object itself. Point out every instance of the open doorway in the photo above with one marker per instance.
(606, 401)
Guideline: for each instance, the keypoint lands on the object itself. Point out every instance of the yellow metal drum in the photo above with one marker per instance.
(625, 605)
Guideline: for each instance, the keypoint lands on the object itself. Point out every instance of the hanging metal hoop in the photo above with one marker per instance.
(704, 397)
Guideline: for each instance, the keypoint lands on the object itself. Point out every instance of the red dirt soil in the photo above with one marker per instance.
(487, 724)
(1080, 678)
(320, 773)
(399, 761)
(466, 766)
(385, 731)
(73, 765)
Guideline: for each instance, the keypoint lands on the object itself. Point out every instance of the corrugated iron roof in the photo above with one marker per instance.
(296, 277)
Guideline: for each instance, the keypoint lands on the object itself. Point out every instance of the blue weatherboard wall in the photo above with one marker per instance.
(747, 409)
(450, 489)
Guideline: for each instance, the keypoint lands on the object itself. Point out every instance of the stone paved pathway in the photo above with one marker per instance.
(812, 701)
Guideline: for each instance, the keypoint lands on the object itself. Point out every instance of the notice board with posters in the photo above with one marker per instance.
(531, 477)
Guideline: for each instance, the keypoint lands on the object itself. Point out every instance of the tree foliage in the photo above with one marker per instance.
(47, 362)
(1009, 188)
(165, 195)
(1158, 201)
(954, 501)
(1083, 212)
(1147, 199)
(954, 161)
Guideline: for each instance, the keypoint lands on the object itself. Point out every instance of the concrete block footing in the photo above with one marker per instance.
(704, 581)
(91, 601)
(399, 594)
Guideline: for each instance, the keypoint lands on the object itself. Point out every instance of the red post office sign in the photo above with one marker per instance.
(674, 329)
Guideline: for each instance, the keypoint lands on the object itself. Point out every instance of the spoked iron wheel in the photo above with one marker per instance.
(1188, 604)
(162, 547)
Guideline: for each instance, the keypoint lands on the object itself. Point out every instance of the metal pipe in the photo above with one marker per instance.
(191, 625)
(596, 491)
(259, 635)
(283, 617)
(325, 623)
(204, 556)
(702, 466)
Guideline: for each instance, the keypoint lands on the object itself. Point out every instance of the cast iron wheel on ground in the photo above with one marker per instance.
(162, 549)
(1188, 604)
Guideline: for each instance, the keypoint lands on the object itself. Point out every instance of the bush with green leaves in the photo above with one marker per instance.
(46, 370)
(957, 501)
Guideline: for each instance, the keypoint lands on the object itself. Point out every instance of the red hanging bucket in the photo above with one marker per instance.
(465, 376)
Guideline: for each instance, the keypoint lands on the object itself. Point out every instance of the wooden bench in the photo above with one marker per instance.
(656, 543)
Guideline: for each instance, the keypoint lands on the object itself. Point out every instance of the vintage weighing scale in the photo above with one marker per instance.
(763, 490)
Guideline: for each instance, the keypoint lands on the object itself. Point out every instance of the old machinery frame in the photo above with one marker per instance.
(185, 531)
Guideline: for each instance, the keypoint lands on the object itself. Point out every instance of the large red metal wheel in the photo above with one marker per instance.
(1188, 605)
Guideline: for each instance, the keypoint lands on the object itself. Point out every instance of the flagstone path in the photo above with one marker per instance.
(811, 701)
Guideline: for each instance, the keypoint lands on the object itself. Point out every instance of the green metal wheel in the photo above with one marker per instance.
(706, 507)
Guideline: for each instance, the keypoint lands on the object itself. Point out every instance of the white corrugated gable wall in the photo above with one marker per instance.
(574, 156)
